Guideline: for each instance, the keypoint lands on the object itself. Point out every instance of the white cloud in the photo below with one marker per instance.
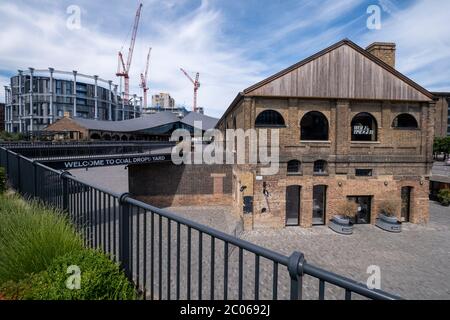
(423, 45)
(192, 41)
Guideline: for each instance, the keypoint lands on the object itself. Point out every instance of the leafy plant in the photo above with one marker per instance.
(349, 209)
(444, 197)
(100, 279)
(441, 145)
(31, 237)
(2, 180)
(7, 136)
(388, 208)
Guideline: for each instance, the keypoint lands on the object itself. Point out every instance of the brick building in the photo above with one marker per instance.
(351, 127)
(442, 125)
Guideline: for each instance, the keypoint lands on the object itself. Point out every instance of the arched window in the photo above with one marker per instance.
(293, 167)
(124, 138)
(116, 137)
(405, 121)
(106, 137)
(95, 136)
(269, 118)
(314, 126)
(364, 127)
(320, 167)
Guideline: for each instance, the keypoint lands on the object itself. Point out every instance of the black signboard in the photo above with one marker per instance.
(104, 162)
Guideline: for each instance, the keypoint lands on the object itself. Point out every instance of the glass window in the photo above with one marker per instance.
(364, 127)
(314, 126)
(405, 121)
(320, 167)
(293, 167)
(363, 172)
(269, 118)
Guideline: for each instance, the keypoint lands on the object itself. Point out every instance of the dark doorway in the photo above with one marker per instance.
(292, 205)
(406, 203)
(319, 204)
(364, 209)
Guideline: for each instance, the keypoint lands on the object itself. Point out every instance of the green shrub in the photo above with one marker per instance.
(7, 136)
(31, 237)
(2, 180)
(101, 279)
(441, 145)
(444, 196)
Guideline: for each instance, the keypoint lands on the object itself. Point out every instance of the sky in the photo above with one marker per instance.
(231, 43)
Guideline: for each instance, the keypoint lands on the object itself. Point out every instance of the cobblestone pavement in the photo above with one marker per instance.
(414, 264)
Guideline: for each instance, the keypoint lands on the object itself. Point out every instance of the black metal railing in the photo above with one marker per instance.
(43, 151)
(171, 257)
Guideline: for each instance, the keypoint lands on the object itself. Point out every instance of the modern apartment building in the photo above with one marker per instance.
(37, 98)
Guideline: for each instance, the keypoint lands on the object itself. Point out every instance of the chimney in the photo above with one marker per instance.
(385, 51)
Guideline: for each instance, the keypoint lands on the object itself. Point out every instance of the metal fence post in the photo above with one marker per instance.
(19, 179)
(124, 234)
(65, 190)
(295, 268)
(34, 178)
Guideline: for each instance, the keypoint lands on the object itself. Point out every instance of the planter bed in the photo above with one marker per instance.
(390, 224)
(341, 225)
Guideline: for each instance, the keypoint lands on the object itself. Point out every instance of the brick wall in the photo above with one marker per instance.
(165, 184)
(398, 158)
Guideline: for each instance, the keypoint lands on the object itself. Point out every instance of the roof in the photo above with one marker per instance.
(146, 122)
(207, 122)
(333, 47)
(441, 94)
(250, 91)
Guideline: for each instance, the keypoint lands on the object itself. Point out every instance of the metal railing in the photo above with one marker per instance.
(54, 151)
(171, 257)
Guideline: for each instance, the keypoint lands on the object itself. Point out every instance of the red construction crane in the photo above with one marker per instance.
(144, 77)
(122, 68)
(196, 86)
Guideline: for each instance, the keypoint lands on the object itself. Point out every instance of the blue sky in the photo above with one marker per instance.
(232, 43)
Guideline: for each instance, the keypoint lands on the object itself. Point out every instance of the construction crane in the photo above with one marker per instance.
(122, 68)
(196, 86)
(144, 77)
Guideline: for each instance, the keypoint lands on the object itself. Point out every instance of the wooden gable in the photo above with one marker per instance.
(344, 70)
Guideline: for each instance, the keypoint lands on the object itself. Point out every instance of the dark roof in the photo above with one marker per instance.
(146, 122)
(348, 42)
(441, 94)
(207, 122)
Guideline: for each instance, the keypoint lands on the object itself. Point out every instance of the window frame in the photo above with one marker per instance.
(405, 128)
(375, 127)
(268, 125)
(325, 168)
(299, 168)
(327, 123)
